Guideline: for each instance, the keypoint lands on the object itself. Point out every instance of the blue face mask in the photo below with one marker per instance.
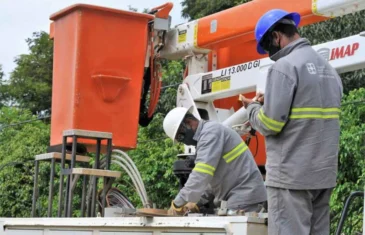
(186, 135)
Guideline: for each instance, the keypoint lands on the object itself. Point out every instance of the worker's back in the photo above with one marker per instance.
(237, 178)
(304, 154)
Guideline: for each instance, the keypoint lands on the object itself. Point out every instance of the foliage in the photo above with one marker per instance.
(2, 95)
(172, 77)
(30, 84)
(351, 169)
(18, 146)
(195, 9)
(1, 72)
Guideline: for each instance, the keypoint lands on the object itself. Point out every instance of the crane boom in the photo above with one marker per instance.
(236, 25)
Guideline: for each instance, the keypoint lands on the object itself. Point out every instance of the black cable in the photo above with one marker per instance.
(23, 122)
(257, 146)
(14, 163)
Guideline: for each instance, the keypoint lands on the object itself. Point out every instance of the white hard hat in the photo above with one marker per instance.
(172, 121)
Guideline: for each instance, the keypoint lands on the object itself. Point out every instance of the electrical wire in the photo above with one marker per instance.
(126, 159)
(116, 198)
(48, 116)
(141, 195)
(167, 86)
(130, 168)
(23, 122)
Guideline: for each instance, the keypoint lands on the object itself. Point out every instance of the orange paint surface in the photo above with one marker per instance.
(236, 25)
(99, 56)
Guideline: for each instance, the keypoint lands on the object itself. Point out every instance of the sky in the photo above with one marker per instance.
(20, 18)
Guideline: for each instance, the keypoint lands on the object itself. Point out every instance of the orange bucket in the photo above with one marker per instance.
(99, 56)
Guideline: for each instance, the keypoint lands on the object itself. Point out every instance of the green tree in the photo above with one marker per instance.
(30, 84)
(172, 76)
(3, 93)
(20, 141)
(195, 9)
(1, 72)
(351, 169)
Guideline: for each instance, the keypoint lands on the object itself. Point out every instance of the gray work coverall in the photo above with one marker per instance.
(223, 162)
(300, 122)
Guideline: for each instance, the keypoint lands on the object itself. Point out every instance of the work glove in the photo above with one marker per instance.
(190, 207)
(174, 210)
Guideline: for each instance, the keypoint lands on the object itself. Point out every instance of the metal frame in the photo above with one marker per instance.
(346, 208)
(73, 178)
(51, 186)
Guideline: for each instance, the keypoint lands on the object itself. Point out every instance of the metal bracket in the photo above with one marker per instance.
(223, 210)
(74, 181)
(66, 171)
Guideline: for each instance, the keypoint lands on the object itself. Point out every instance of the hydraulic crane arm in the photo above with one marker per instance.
(236, 25)
(200, 90)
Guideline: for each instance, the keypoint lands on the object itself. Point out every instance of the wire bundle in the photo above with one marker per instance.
(115, 198)
(121, 159)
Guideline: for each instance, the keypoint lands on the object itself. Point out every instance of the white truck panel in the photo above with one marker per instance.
(209, 225)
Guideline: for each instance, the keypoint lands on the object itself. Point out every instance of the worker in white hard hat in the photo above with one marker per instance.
(300, 121)
(223, 163)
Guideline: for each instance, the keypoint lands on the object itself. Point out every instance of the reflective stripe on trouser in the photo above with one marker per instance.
(315, 112)
(204, 168)
(235, 152)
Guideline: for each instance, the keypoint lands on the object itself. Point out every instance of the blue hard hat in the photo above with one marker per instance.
(268, 20)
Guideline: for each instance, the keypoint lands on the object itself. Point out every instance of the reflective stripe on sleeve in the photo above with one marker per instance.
(204, 168)
(234, 153)
(270, 123)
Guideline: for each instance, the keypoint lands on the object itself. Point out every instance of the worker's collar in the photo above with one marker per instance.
(299, 43)
(198, 130)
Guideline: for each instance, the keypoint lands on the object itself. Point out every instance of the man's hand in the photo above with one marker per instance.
(245, 101)
(260, 98)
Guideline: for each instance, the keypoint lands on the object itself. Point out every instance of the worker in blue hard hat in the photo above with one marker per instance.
(299, 117)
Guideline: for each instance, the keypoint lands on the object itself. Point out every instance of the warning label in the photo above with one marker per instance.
(182, 36)
(221, 83)
(207, 83)
(210, 84)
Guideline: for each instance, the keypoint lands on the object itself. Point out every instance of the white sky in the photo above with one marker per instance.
(20, 18)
